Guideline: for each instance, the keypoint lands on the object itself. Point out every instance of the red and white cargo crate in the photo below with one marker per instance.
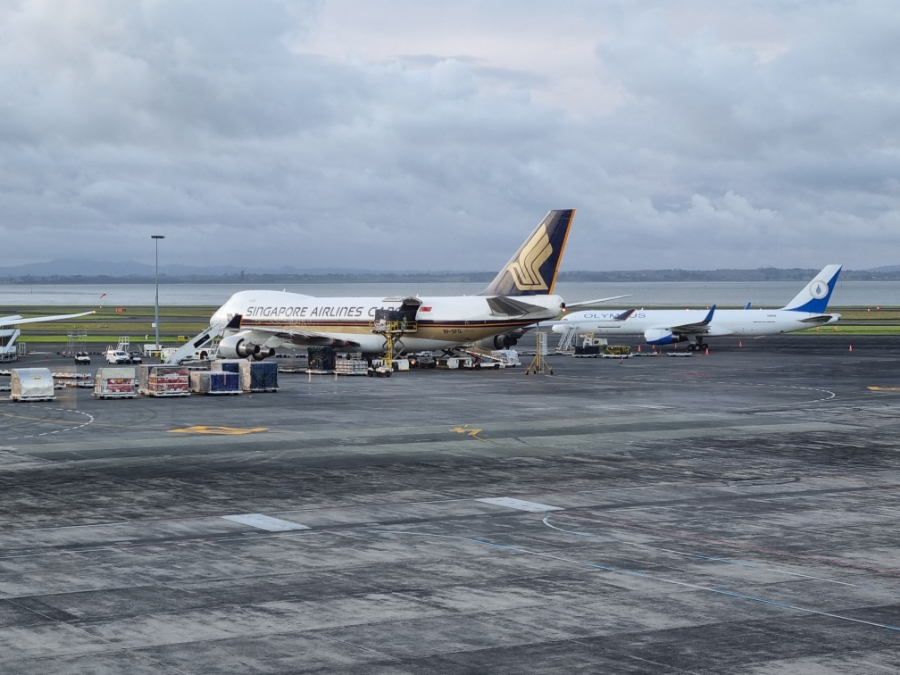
(115, 383)
(158, 380)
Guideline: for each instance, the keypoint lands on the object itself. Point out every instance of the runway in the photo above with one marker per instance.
(730, 513)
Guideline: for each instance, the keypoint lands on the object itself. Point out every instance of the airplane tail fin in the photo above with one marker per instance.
(815, 297)
(533, 269)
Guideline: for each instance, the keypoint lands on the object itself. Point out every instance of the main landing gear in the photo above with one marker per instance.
(698, 346)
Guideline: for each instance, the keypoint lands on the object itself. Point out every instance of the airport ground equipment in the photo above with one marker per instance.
(31, 384)
(115, 383)
(450, 362)
(215, 382)
(204, 338)
(566, 344)
(9, 348)
(163, 380)
(539, 365)
(255, 376)
(422, 360)
(393, 324)
(508, 357)
(76, 341)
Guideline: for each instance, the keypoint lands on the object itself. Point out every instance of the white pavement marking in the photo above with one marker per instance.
(521, 505)
(262, 522)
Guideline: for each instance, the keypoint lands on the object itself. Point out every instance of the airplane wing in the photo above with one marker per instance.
(299, 336)
(697, 326)
(512, 306)
(16, 319)
(590, 303)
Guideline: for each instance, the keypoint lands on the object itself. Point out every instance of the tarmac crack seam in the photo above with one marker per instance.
(626, 572)
(727, 561)
(647, 379)
(99, 638)
(736, 544)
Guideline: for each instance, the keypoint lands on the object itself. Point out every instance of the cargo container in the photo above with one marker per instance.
(31, 384)
(158, 380)
(321, 360)
(115, 383)
(215, 382)
(263, 376)
(255, 376)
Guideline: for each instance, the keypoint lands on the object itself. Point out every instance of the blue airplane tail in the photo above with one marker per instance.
(815, 297)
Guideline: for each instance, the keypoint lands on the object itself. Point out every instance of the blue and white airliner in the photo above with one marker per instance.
(663, 327)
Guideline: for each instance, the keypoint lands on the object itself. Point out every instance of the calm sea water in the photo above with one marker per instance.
(681, 294)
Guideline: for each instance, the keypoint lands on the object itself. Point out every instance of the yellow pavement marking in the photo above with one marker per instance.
(884, 388)
(220, 431)
(465, 430)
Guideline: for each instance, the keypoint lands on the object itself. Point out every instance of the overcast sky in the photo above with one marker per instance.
(433, 135)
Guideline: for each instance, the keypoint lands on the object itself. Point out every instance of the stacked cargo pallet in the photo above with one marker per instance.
(164, 381)
(351, 367)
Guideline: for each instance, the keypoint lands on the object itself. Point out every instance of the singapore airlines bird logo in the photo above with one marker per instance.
(526, 271)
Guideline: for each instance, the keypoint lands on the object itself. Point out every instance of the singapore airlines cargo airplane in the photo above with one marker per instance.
(662, 327)
(256, 322)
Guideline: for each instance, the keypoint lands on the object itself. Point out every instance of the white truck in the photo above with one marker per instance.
(116, 356)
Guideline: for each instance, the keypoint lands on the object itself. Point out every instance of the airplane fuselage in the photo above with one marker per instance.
(442, 321)
(741, 322)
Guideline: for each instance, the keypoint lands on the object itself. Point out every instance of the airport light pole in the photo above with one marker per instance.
(156, 238)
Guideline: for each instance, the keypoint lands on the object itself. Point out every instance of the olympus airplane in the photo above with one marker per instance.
(16, 320)
(257, 322)
(662, 327)
(9, 332)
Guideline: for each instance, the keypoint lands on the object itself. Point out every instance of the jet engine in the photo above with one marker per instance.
(238, 347)
(662, 336)
(502, 341)
(263, 354)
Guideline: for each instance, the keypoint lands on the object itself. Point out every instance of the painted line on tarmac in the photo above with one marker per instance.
(218, 431)
(43, 420)
(520, 504)
(263, 522)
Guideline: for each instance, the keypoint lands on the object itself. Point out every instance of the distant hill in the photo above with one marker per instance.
(96, 268)
(130, 272)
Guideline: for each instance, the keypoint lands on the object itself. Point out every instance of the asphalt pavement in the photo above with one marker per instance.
(729, 513)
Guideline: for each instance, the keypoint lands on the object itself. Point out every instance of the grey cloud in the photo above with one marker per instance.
(219, 125)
